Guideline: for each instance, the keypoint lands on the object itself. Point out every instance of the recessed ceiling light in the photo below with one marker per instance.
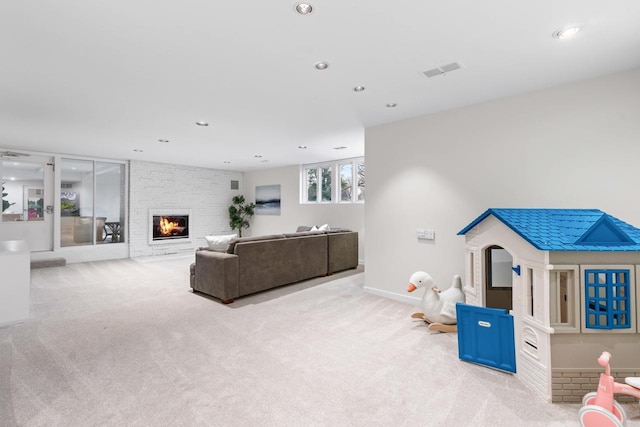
(137, 150)
(302, 147)
(257, 156)
(358, 88)
(566, 32)
(322, 65)
(164, 141)
(202, 123)
(304, 8)
(13, 178)
(392, 105)
(227, 162)
(339, 148)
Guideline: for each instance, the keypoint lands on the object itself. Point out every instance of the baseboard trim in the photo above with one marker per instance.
(408, 299)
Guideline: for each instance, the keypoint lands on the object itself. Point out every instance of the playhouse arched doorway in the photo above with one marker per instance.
(498, 278)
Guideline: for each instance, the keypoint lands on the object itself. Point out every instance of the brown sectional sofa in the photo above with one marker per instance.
(254, 264)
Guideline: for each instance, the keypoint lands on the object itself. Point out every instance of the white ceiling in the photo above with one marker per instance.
(105, 78)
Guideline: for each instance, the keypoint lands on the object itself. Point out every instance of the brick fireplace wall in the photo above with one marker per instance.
(206, 192)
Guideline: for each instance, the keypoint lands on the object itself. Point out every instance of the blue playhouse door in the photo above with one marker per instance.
(485, 336)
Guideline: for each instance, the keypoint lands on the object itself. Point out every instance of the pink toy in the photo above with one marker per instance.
(599, 408)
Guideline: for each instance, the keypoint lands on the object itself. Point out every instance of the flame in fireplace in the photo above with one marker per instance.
(167, 227)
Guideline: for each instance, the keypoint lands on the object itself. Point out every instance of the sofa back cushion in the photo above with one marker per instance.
(266, 264)
(231, 249)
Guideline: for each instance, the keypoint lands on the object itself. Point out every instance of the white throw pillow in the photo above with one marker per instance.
(314, 228)
(219, 243)
(324, 227)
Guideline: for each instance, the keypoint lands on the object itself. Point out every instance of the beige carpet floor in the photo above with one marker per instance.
(126, 343)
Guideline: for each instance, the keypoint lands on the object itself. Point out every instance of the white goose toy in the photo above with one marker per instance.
(439, 308)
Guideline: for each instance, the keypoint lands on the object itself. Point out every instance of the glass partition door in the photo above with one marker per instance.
(27, 204)
(91, 202)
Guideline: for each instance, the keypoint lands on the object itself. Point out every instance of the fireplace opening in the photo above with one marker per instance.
(170, 227)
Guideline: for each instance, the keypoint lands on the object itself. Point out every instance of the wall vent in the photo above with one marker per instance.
(443, 69)
(235, 185)
(66, 185)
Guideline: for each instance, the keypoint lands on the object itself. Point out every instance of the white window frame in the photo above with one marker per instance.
(573, 306)
(336, 187)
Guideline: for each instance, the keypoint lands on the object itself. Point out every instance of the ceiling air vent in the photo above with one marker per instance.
(443, 69)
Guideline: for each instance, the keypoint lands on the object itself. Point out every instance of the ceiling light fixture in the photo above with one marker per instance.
(202, 123)
(340, 148)
(137, 150)
(257, 156)
(227, 162)
(322, 65)
(164, 141)
(358, 88)
(392, 105)
(304, 8)
(302, 147)
(566, 32)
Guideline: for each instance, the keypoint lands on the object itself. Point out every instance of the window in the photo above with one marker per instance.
(607, 298)
(564, 296)
(530, 291)
(346, 182)
(342, 182)
(311, 187)
(22, 191)
(325, 179)
(360, 178)
(92, 202)
(471, 269)
(499, 263)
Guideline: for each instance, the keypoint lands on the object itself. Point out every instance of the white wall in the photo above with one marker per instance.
(293, 213)
(207, 192)
(575, 146)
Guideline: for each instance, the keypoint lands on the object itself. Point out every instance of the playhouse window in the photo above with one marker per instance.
(471, 269)
(530, 291)
(499, 263)
(564, 297)
(607, 299)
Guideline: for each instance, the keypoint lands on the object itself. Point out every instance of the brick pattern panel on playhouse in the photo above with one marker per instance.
(571, 386)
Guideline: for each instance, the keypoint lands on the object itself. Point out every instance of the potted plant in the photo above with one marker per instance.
(5, 203)
(240, 213)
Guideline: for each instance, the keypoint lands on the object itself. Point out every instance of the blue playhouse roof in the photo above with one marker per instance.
(566, 229)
